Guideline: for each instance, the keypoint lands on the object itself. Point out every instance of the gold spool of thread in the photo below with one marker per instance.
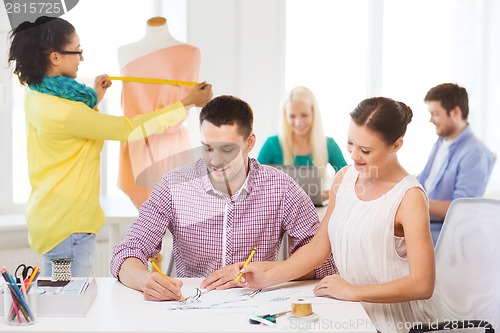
(301, 308)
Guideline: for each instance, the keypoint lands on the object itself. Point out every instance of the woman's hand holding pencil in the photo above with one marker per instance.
(246, 263)
(223, 278)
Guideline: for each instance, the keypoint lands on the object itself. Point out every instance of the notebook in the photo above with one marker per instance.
(309, 178)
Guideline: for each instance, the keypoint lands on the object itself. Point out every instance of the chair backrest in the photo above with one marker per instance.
(468, 262)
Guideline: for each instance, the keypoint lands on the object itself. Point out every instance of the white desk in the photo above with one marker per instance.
(120, 309)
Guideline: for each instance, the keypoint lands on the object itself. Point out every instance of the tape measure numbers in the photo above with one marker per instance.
(153, 81)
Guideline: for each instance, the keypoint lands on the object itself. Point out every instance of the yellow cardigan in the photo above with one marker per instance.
(65, 139)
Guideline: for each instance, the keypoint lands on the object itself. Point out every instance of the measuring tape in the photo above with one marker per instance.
(154, 81)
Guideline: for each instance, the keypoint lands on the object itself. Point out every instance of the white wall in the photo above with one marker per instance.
(243, 54)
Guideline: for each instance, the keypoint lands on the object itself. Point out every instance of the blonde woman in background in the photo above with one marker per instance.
(300, 140)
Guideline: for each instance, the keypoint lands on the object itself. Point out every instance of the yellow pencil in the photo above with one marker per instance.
(163, 274)
(32, 277)
(246, 263)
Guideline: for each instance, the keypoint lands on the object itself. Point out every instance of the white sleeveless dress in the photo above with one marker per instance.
(367, 252)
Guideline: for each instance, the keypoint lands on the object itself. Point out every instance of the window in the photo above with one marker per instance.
(346, 51)
(326, 47)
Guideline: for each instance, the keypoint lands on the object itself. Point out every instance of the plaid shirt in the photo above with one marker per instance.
(211, 230)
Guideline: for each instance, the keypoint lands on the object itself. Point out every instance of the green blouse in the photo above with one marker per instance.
(271, 153)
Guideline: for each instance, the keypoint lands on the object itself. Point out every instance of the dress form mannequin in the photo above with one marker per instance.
(156, 55)
(157, 36)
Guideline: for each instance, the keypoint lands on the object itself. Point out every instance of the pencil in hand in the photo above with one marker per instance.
(164, 276)
(246, 263)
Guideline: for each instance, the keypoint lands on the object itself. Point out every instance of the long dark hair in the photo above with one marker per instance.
(32, 43)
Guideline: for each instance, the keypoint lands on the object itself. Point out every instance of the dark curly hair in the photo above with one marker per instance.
(32, 43)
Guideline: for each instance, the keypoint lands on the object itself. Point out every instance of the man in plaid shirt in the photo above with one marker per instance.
(217, 210)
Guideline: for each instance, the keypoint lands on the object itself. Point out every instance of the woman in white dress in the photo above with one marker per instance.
(376, 226)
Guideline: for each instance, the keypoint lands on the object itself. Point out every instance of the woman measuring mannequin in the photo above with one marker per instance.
(65, 134)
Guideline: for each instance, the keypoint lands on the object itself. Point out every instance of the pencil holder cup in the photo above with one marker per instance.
(20, 303)
(61, 270)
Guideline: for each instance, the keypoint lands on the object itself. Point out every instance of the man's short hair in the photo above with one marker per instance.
(229, 110)
(450, 95)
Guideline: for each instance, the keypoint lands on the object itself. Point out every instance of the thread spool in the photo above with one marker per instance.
(61, 269)
(301, 308)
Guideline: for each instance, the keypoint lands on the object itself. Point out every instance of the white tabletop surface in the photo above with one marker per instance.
(120, 309)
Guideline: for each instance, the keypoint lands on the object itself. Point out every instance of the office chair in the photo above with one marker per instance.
(467, 291)
(170, 267)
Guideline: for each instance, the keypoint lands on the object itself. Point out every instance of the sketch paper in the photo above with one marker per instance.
(235, 300)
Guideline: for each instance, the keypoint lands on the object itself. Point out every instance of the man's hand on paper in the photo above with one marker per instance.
(157, 288)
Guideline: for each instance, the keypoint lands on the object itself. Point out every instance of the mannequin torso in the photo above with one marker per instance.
(156, 55)
(157, 37)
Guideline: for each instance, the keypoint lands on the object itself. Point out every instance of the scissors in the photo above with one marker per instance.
(23, 272)
(269, 317)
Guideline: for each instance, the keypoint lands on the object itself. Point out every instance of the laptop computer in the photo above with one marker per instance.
(309, 178)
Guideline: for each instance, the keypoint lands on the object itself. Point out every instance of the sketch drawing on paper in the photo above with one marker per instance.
(233, 299)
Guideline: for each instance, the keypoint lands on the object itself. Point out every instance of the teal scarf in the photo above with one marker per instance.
(68, 88)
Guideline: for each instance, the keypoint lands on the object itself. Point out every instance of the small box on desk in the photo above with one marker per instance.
(63, 299)
(72, 300)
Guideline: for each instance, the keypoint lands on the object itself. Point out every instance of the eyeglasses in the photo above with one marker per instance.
(80, 53)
